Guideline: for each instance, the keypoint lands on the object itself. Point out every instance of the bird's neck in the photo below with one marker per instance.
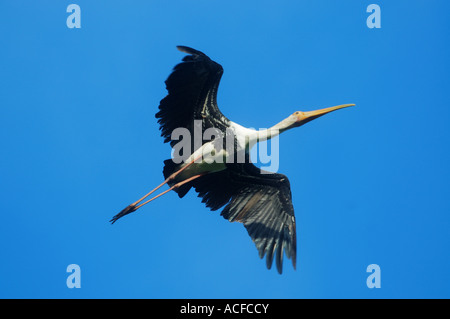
(247, 138)
(284, 125)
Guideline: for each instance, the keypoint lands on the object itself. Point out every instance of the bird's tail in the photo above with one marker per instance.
(169, 168)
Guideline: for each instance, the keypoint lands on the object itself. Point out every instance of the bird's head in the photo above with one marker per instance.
(299, 118)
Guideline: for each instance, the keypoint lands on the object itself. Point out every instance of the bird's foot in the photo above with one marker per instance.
(129, 209)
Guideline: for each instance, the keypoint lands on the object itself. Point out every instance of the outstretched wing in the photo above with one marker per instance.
(261, 201)
(192, 95)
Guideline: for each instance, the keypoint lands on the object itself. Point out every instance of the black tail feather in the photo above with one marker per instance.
(169, 168)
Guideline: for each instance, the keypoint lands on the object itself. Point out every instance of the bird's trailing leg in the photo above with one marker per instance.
(133, 207)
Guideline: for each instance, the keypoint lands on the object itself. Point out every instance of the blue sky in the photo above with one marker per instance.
(79, 142)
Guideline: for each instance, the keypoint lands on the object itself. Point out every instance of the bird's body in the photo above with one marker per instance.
(214, 154)
(209, 160)
(218, 167)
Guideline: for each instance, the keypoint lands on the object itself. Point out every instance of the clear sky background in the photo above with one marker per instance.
(79, 142)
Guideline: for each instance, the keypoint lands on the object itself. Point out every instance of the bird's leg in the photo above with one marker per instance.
(174, 186)
(132, 207)
(168, 179)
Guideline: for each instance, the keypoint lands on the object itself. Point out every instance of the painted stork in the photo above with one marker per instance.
(260, 200)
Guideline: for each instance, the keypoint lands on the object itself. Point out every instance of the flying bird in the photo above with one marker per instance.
(219, 168)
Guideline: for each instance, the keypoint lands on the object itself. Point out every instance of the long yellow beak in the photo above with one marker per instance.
(305, 117)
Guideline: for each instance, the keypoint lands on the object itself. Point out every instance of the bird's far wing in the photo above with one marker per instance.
(261, 201)
(192, 95)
